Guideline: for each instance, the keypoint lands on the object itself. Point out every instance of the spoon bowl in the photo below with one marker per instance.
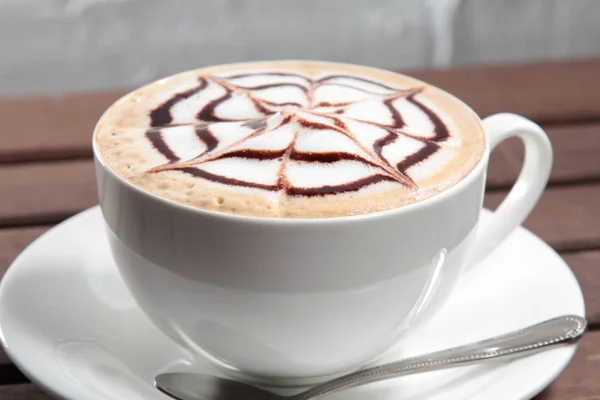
(205, 387)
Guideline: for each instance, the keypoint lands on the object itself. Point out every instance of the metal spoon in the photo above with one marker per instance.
(531, 340)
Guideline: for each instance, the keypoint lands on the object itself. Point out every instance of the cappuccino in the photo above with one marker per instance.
(291, 139)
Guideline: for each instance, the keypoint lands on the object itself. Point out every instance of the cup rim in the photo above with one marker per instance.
(439, 197)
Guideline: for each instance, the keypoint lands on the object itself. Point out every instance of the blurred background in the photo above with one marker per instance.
(49, 46)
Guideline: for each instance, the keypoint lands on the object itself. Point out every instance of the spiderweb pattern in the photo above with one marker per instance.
(308, 108)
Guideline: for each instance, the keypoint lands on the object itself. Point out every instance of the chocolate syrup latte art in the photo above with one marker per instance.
(291, 139)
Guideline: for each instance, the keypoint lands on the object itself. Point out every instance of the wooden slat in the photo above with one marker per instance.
(579, 381)
(43, 193)
(567, 218)
(4, 360)
(60, 127)
(23, 392)
(576, 156)
(35, 128)
(545, 92)
(576, 149)
(13, 241)
(586, 267)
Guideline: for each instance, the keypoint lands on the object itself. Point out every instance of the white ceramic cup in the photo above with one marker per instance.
(289, 298)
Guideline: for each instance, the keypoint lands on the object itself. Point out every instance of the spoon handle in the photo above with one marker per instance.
(537, 338)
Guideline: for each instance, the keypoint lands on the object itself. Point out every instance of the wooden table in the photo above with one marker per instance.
(46, 175)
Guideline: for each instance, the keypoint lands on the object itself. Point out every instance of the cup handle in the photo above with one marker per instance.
(529, 186)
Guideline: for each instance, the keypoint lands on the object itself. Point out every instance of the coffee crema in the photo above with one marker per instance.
(291, 139)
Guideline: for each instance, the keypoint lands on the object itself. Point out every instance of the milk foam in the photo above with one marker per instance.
(278, 134)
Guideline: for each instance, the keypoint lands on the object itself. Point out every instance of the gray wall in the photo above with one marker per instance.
(65, 45)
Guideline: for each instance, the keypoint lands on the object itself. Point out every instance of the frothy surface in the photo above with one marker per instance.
(290, 139)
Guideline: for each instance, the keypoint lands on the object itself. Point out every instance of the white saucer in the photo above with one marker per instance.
(70, 325)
